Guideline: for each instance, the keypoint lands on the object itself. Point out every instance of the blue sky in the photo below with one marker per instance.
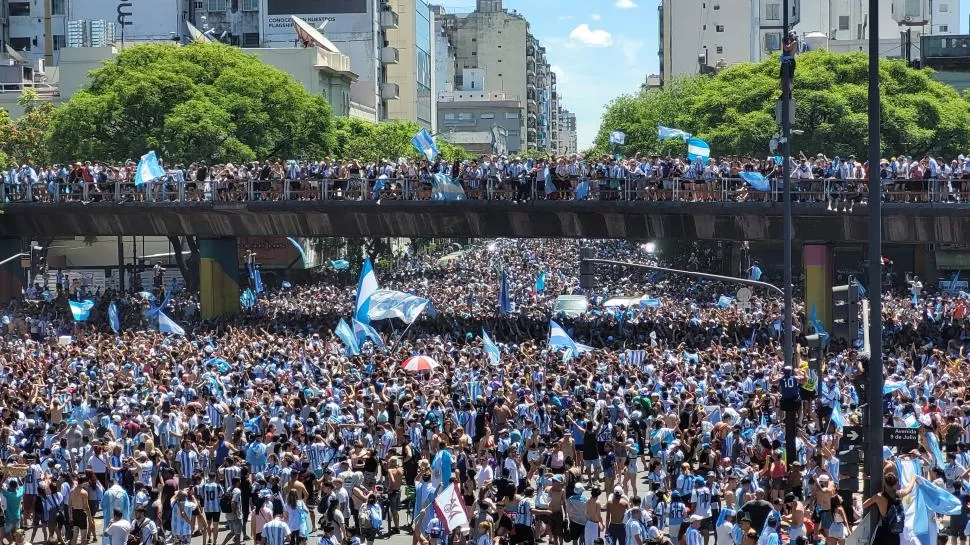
(599, 49)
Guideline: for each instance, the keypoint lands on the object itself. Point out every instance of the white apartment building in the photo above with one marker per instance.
(697, 35)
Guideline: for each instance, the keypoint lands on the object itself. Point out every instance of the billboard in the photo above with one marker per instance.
(346, 19)
(135, 20)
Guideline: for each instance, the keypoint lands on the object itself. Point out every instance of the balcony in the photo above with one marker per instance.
(530, 83)
(389, 19)
(390, 55)
(390, 91)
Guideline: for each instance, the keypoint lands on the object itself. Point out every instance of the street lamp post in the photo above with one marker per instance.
(787, 73)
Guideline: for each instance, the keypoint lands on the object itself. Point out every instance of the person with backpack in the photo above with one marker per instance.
(891, 511)
(369, 520)
(232, 505)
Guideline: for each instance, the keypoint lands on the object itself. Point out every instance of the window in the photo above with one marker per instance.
(772, 12)
(944, 8)
(250, 39)
(843, 22)
(500, 75)
(449, 117)
(773, 41)
(250, 5)
(465, 117)
(217, 5)
(488, 116)
(717, 7)
(59, 7)
(944, 28)
(17, 9)
(913, 8)
(511, 115)
(719, 50)
(20, 44)
(471, 84)
(718, 28)
(60, 41)
(198, 4)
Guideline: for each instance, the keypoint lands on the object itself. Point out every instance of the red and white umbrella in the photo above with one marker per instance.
(418, 364)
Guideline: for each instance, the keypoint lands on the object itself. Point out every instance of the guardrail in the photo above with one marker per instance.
(844, 193)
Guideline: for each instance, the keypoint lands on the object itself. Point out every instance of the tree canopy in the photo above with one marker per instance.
(200, 101)
(24, 140)
(388, 140)
(734, 111)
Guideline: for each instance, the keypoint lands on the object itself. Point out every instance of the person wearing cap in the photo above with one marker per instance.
(693, 535)
(824, 492)
(636, 533)
(616, 508)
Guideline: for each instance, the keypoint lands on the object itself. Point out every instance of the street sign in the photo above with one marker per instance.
(904, 439)
(852, 435)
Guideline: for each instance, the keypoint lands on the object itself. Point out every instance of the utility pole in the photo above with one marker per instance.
(874, 435)
(787, 74)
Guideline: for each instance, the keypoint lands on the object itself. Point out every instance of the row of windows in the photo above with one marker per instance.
(224, 5)
(467, 116)
(21, 8)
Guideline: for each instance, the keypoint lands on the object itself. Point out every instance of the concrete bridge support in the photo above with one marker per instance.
(819, 264)
(219, 276)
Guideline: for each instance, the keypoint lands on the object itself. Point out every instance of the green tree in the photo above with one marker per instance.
(201, 101)
(24, 140)
(389, 140)
(734, 110)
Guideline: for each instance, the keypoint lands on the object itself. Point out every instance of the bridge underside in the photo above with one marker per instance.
(902, 223)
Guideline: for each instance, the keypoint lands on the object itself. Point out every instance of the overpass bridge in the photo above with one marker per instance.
(903, 223)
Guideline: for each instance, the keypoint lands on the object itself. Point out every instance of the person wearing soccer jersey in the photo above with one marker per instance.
(182, 510)
(211, 494)
(276, 531)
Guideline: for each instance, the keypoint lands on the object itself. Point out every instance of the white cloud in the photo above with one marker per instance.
(595, 17)
(592, 38)
(624, 4)
(630, 47)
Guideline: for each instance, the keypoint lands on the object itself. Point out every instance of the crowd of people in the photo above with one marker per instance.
(664, 425)
(647, 177)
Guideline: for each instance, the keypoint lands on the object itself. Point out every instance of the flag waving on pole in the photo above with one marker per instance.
(148, 169)
(617, 138)
(366, 287)
(450, 508)
(425, 144)
(697, 148)
(665, 133)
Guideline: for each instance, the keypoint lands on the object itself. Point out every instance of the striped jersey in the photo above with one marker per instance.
(34, 475)
(275, 532)
(211, 492)
(228, 474)
(524, 512)
(187, 460)
(182, 522)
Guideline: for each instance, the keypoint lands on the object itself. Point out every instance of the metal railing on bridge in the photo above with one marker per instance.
(416, 189)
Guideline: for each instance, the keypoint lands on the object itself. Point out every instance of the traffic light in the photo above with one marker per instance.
(845, 312)
(587, 280)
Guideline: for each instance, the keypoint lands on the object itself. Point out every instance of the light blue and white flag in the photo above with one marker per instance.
(756, 273)
(582, 190)
(148, 169)
(651, 302)
(837, 417)
(697, 148)
(81, 310)
(347, 336)
(387, 304)
(541, 282)
(299, 248)
(366, 286)
(927, 501)
(379, 186)
(558, 338)
(547, 178)
(617, 138)
(340, 264)
(247, 299)
(953, 283)
(364, 332)
(724, 301)
(934, 443)
(113, 320)
(491, 349)
(891, 386)
(756, 180)
(258, 280)
(443, 189)
(424, 143)
(286, 285)
(666, 133)
(167, 325)
(819, 329)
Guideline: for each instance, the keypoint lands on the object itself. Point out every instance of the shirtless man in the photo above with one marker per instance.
(594, 517)
(616, 508)
(80, 513)
(823, 499)
(795, 517)
(556, 520)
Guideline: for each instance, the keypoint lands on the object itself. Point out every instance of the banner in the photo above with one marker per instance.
(386, 304)
(450, 509)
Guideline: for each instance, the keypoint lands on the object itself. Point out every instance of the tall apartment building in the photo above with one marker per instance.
(499, 41)
(697, 35)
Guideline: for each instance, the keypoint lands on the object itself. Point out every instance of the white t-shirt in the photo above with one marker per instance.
(117, 533)
(723, 534)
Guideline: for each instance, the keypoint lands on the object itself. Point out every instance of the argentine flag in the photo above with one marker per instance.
(148, 169)
(81, 310)
(346, 335)
(491, 349)
(425, 144)
(617, 138)
(366, 287)
(167, 325)
(666, 133)
(698, 148)
(364, 332)
(756, 180)
(558, 338)
(113, 320)
(443, 189)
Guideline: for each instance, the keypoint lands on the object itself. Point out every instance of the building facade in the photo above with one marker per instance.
(698, 35)
(483, 123)
(499, 41)
(412, 47)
